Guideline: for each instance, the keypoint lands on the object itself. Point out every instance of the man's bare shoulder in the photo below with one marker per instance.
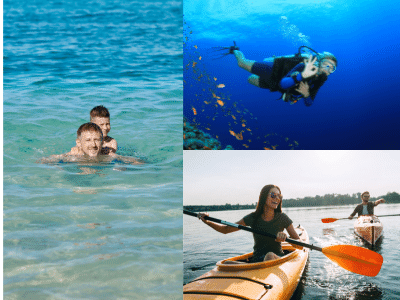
(75, 151)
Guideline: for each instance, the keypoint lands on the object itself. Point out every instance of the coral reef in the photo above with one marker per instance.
(196, 139)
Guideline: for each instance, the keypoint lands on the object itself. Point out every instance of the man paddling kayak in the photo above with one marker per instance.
(366, 207)
(268, 217)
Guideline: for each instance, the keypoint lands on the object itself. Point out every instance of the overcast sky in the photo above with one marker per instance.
(237, 176)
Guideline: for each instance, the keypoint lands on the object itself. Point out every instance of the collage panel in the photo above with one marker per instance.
(281, 75)
(92, 165)
(291, 224)
(95, 179)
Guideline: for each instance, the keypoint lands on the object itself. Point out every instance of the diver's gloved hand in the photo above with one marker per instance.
(234, 47)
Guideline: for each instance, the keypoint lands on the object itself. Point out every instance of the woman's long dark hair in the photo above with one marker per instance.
(262, 199)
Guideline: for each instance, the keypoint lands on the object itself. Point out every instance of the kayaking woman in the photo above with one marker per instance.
(268, 217)
(366, 207)
(296, 77)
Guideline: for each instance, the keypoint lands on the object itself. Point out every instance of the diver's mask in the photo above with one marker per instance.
(325, 64)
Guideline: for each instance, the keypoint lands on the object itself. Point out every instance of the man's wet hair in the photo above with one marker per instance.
(99, 111)
(89, 127)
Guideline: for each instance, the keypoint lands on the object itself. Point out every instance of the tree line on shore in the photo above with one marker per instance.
(326, 200)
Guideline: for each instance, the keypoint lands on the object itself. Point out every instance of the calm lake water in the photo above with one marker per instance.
(323, 279)
(105, 231)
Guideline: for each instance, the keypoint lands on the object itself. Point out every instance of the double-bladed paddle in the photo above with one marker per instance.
(352, 258)
(331, 220)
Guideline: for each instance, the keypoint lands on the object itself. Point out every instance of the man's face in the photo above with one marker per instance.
(103, 123)
(90, 142)
(328, 66)
(365, 198)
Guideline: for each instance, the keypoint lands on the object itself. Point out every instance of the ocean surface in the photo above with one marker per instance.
(92, 231)
(356, 108)
(322, 279)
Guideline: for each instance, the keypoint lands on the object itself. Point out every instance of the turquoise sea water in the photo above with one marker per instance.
(322, 279)
(105, 231)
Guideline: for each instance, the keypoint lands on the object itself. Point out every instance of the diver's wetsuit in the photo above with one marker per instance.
(276, 77)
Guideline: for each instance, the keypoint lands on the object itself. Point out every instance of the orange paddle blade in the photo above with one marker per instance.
(355, 259)
(329, 220)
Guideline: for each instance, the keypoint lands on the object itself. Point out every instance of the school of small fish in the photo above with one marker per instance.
(223, 107)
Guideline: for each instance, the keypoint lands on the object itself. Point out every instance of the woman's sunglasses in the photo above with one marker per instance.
(273, 195)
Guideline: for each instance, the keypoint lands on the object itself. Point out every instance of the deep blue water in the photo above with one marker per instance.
(356, 108)
(87, 231)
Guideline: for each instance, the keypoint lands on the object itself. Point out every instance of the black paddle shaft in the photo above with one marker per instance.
(190, 213)
(387, 216)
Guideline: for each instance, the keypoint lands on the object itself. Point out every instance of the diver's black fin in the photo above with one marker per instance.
(228, 49)
(232, 48)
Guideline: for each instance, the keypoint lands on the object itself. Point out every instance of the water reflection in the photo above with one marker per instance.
(201, 267)
(377, 247)
(367, 291)
(329, 231)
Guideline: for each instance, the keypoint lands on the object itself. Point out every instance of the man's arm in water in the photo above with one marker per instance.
(127, 159)
(65, 157)
(53, 158)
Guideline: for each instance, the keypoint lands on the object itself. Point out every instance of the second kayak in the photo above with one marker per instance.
(368, 228)
(274, 279)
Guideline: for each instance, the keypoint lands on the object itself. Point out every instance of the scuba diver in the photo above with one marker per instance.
(295, 76)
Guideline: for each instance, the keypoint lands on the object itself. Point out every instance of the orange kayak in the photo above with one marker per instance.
(368, 228)
(274, 279)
